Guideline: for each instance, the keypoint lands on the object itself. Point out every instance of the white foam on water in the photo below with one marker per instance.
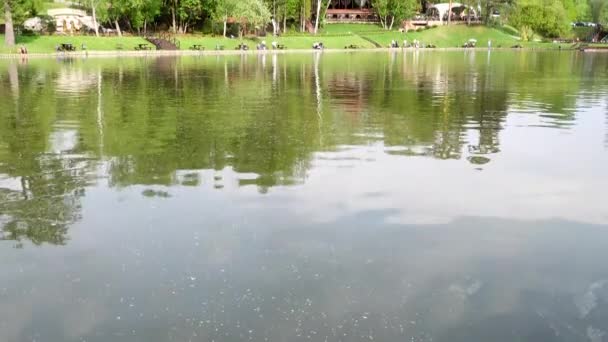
(588, 301)
(595, 335)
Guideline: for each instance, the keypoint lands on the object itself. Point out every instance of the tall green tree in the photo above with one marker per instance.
(9, 35)
(252, 13)
(189, 11)
(391, 11)
(547, 18)
(224, 10)
(94, 5)
(597, 7)
(15, 12)
(142, 12)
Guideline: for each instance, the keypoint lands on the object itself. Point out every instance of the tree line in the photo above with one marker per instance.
(550, 18)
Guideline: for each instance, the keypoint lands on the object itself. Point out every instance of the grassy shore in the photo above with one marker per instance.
(47, 44)
(335, 36)
(450, 37)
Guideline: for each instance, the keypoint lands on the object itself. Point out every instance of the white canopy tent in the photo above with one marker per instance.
(443, 8)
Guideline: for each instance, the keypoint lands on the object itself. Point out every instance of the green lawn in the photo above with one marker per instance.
(290, 42)
(47, 44)
(455, 36)
(452, 36)
(333, 36)
(338, 29)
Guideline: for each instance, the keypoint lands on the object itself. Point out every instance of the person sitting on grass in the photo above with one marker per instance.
(23, 50)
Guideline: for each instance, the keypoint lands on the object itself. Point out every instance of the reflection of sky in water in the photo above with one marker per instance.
(370, 237)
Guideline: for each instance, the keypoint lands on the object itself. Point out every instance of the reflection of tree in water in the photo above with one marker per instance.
(150, 136)
(47, 203)
(349, 91)
(234, 112)
(174, 116)
(39, 191)
(489, 112)
(430, 108)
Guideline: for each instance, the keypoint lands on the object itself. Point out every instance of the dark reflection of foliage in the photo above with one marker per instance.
(49, 185)
(162, 120)
(478, 160)
(48, 203)
(155, 193)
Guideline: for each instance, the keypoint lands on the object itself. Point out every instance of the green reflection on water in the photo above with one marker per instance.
(336, 197)
(68, 123)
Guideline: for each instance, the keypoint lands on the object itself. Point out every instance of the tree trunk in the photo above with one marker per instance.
(285, 20)
(302, 17)
(392, 22)
(118, 31)
(145, 27)
(450, 13)
(225, 26)
(174, 27)
(94, 10)
(274, 27)
(9, 35)
(318, 16)
(274, 18)
(13, 78)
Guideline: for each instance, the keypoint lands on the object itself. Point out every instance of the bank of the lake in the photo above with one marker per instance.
(333, 37)
(186, 53)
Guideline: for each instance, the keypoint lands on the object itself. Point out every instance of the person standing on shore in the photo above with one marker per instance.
(489, 44)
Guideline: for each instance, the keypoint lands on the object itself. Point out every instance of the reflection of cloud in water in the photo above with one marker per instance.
(589, 300)
(63, 140)
(595, 335)
(466, 289)
(523, 181)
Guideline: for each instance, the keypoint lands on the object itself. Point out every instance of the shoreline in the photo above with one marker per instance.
(162, 53)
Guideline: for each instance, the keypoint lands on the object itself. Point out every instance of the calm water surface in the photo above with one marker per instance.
(449, 196)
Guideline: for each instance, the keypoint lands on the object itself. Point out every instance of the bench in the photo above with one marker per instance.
(242, 47)
(197, 47)
(66, 47)
(141, 47)
(352, 46)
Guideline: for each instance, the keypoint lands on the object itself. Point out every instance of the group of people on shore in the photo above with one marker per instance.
(415, 44)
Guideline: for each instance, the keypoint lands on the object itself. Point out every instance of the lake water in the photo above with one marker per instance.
(443, 196)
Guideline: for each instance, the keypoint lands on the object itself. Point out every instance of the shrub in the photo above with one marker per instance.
(509, 30)
(549, 21)
(48, 24)
(526, 33)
